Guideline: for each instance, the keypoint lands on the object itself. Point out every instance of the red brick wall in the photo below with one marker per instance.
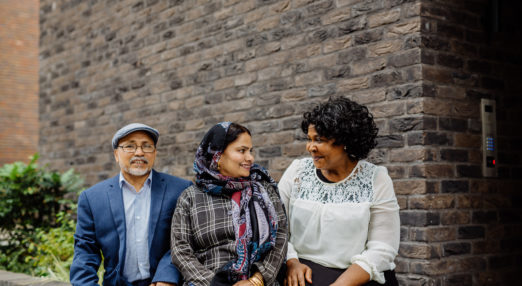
(18, 79)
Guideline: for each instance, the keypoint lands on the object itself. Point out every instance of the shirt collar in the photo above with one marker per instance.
(148, 182)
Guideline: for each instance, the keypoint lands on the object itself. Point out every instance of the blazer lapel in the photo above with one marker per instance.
(118, 214)
(157, 192)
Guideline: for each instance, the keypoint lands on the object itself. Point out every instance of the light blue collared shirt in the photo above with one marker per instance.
(137, 212)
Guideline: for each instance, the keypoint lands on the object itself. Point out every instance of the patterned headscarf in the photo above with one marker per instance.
(253, 214)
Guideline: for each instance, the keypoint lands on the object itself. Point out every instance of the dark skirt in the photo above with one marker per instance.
(324, 276)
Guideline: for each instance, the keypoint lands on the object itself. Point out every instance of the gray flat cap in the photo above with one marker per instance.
(133, 127)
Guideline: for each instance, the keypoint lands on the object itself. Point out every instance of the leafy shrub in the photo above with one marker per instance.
(35, 216)
(51, 251)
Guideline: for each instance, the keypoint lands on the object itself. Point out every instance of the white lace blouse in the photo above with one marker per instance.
(355, 220)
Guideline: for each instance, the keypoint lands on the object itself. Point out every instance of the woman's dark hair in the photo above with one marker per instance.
(347, 122)
(234, 130)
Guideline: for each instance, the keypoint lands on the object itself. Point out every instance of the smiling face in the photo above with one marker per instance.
(137, 164)
(325, 154)
(237, 159)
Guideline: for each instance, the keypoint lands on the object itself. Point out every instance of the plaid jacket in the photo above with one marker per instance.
(203, 238)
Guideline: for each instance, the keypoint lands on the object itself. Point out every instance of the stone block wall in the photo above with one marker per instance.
(472, 222)
(18, 80)
(183, 66)
(420, 66)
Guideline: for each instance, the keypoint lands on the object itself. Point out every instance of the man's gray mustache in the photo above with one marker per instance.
(139, 159)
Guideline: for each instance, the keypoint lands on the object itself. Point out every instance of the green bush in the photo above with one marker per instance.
(36, 224)
(51, 251)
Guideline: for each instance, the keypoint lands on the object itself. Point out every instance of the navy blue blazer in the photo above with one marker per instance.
(101, 230)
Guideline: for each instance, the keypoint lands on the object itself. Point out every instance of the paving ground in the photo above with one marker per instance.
(16, 279)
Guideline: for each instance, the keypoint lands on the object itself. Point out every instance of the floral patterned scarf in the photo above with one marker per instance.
(253, 214)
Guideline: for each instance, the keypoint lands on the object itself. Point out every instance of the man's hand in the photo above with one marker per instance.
(296, 273)
(163, 284)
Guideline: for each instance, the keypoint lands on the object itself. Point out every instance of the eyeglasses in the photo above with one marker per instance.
(131, 148)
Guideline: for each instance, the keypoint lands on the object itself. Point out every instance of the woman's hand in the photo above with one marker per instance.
(243, 283)
(297, 273)
(355, 275)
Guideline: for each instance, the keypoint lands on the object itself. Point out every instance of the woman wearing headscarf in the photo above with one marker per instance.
(342, 210)
(230, 227)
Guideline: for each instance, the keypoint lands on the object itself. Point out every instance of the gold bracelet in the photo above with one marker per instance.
(257, 279)
(257, 282)
(254, 281)
(261, 278)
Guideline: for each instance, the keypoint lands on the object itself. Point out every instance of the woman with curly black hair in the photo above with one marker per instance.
(342, 210)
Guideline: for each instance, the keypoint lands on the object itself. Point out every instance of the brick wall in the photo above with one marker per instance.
(471, 225)
(182, 66)
(18, 80)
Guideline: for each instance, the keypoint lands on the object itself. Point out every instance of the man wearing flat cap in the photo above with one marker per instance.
(126, 219)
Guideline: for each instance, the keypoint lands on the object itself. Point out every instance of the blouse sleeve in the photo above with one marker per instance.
(285, 189)
(270, 265)
(182, 253)
(384, 229)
